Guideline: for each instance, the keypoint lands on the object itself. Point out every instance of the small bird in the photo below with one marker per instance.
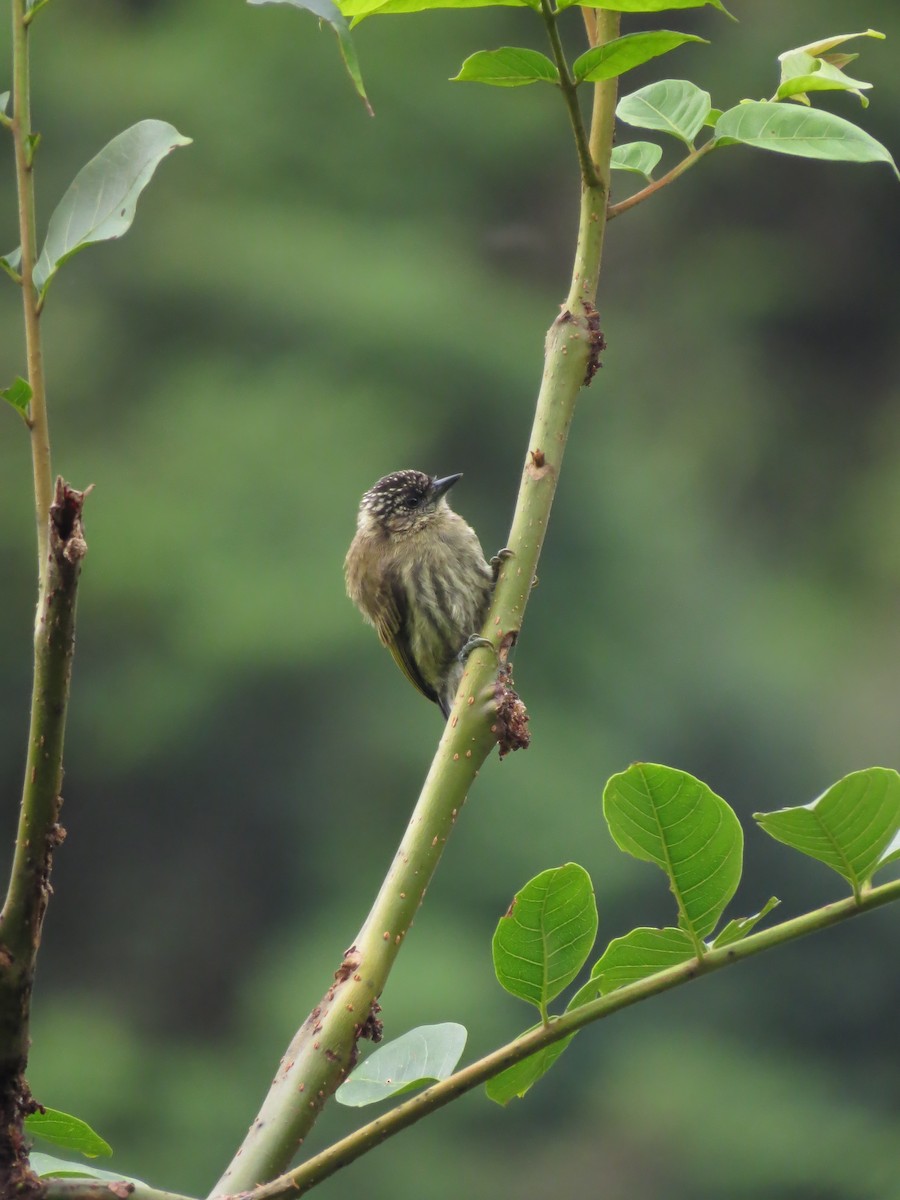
(417, 572)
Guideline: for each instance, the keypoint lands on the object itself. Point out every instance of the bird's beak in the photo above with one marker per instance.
(440, 486)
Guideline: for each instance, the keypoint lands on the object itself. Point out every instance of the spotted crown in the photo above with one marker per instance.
(394, 492)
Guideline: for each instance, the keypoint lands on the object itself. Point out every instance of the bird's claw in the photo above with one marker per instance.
(499, 559)
(475, 643)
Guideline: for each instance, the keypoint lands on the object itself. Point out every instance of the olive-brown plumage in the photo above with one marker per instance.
(416, 571)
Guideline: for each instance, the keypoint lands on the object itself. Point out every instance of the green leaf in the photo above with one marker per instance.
(11, 263)
(67, 1131)
(622, 54)
(45, 1165)
(737, 930)
(849, 827)
(805, 133)
(891, 854)
(507, 67)
(669, 818)
(802, 73)
(826, 44)
(102, 197)
(359, 9)
(515, 1081)
(638, 954)
(329, 12)
(639, 157)
(31, 144)
(4, 101)
(419, 1057)
(542, 942)
(18, 394)
(673, 106)
(646, 5)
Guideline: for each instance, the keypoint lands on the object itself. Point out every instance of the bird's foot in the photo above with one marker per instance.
(499, 559)
(475, 643)
(496, 564)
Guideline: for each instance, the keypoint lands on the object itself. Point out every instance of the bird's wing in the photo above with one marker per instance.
(392, 629)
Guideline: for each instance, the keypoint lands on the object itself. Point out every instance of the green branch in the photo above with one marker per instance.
(324, 1049)
(23, 141)
(570, 95)
(104, 1189)
(38, 832)
(679, 169)
(348, 1149)
(342, 1153)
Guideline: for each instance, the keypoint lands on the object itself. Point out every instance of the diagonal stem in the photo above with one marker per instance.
(325, 1048)
(367, 1137)
(348, 1149)
(679, 169)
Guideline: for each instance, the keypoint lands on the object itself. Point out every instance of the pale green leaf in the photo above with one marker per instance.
(673, 106)
(622, 54)
(12, 263)
(420, 1057)
(821, 47)
(46, 1166)
(4, 101)
(840, 60)
(669, 818)
(507, 67)
(328, 11)
(891, 854)
(515, 1081)
(67, 1131)
(359, 9)
(802, 132)
(849, 827)
(802, 73)
(100, 202)
(18, 394)
(542, 942)
(737, 930)
(639, 157)
(646, 6)
(640, 953)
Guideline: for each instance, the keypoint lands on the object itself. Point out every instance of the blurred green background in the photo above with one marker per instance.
(311, 298)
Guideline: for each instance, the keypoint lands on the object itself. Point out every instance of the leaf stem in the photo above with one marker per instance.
(342, 1153)
(34, 10)
(22, 140)
(569, 90)
(688, 161)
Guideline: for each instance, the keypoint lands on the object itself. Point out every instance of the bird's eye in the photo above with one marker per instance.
(410, 501)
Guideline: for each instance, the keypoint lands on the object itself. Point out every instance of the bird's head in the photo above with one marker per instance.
(405, 501)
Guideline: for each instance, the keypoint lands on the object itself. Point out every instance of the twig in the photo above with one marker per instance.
(570, 95)
(104, 1189)
(688, 161)
(39, 832)
(348, 1149)
(23, 142)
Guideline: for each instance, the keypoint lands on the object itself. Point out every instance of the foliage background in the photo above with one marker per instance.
(309, 299)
